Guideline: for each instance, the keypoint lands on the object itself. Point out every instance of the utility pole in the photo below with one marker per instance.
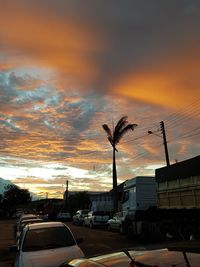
(66, 194)
(162, 126)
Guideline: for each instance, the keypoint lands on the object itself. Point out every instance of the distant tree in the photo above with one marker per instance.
(14, 196)
(80, 200)
(121, 128)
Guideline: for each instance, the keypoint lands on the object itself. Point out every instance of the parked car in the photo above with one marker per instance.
(96, 218)
(177, 255)
(23, 223)
(78, 218)
(43, 215)
(116, 223)
(24, 217)
(46, 244)
(64, 216)
(19, 212)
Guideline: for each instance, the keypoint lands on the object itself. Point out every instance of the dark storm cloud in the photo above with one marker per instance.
(133, 36)
(138, 34)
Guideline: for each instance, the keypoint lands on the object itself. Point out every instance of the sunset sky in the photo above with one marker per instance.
(69, 66)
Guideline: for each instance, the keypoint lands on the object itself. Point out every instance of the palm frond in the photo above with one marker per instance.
(120, 125)
(108, 131)
(124, 131)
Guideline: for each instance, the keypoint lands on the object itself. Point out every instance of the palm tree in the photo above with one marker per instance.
(114, 137)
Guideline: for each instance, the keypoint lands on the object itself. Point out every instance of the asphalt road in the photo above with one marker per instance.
(7, 239)
(99, 240)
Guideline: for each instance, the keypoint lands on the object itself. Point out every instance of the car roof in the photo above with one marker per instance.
(45, 225)
(27, 216)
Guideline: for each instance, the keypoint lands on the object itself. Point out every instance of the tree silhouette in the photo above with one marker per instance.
(121, 128)
(80, 200)
(14, 196)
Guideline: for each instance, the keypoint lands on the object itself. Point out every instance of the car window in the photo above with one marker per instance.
(84, 211)
(100, 213)
(39, 239)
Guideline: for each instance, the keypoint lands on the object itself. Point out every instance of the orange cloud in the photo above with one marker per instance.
(6, 66)
(86, 54)
(173, 83)
(47, 40)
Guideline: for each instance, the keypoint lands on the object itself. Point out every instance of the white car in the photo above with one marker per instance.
(78, 218)
(64, 216)
(24, 217)
(96, 218)
(46, 244)
(23, 223)
(116, 222)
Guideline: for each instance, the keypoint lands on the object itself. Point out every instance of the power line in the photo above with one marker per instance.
(183, 108)
(183, 114)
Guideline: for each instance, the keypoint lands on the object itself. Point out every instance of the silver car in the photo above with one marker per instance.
(78, 218)
(116, 222)
(96, 219)
(46, 244)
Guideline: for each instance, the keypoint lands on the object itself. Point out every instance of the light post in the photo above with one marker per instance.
(164, 141)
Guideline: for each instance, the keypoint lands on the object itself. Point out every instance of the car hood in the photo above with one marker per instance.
(50, 257)
(159, 258)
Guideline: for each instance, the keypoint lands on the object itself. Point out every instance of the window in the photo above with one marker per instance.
(46, 238)
(85, 211)
(125, 196)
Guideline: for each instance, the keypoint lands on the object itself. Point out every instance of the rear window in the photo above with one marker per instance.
(85, 211)
(47, 238)
(101, 213)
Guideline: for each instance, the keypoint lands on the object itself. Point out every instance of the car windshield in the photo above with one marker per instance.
(40, 239)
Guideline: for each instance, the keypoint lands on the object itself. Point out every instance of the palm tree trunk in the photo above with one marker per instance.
(115, 193)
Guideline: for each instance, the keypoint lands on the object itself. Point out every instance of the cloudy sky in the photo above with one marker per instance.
(69, 66)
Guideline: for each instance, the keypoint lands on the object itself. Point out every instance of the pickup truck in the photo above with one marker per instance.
(96, 218)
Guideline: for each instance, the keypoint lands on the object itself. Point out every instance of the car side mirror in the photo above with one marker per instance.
(79, 240)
